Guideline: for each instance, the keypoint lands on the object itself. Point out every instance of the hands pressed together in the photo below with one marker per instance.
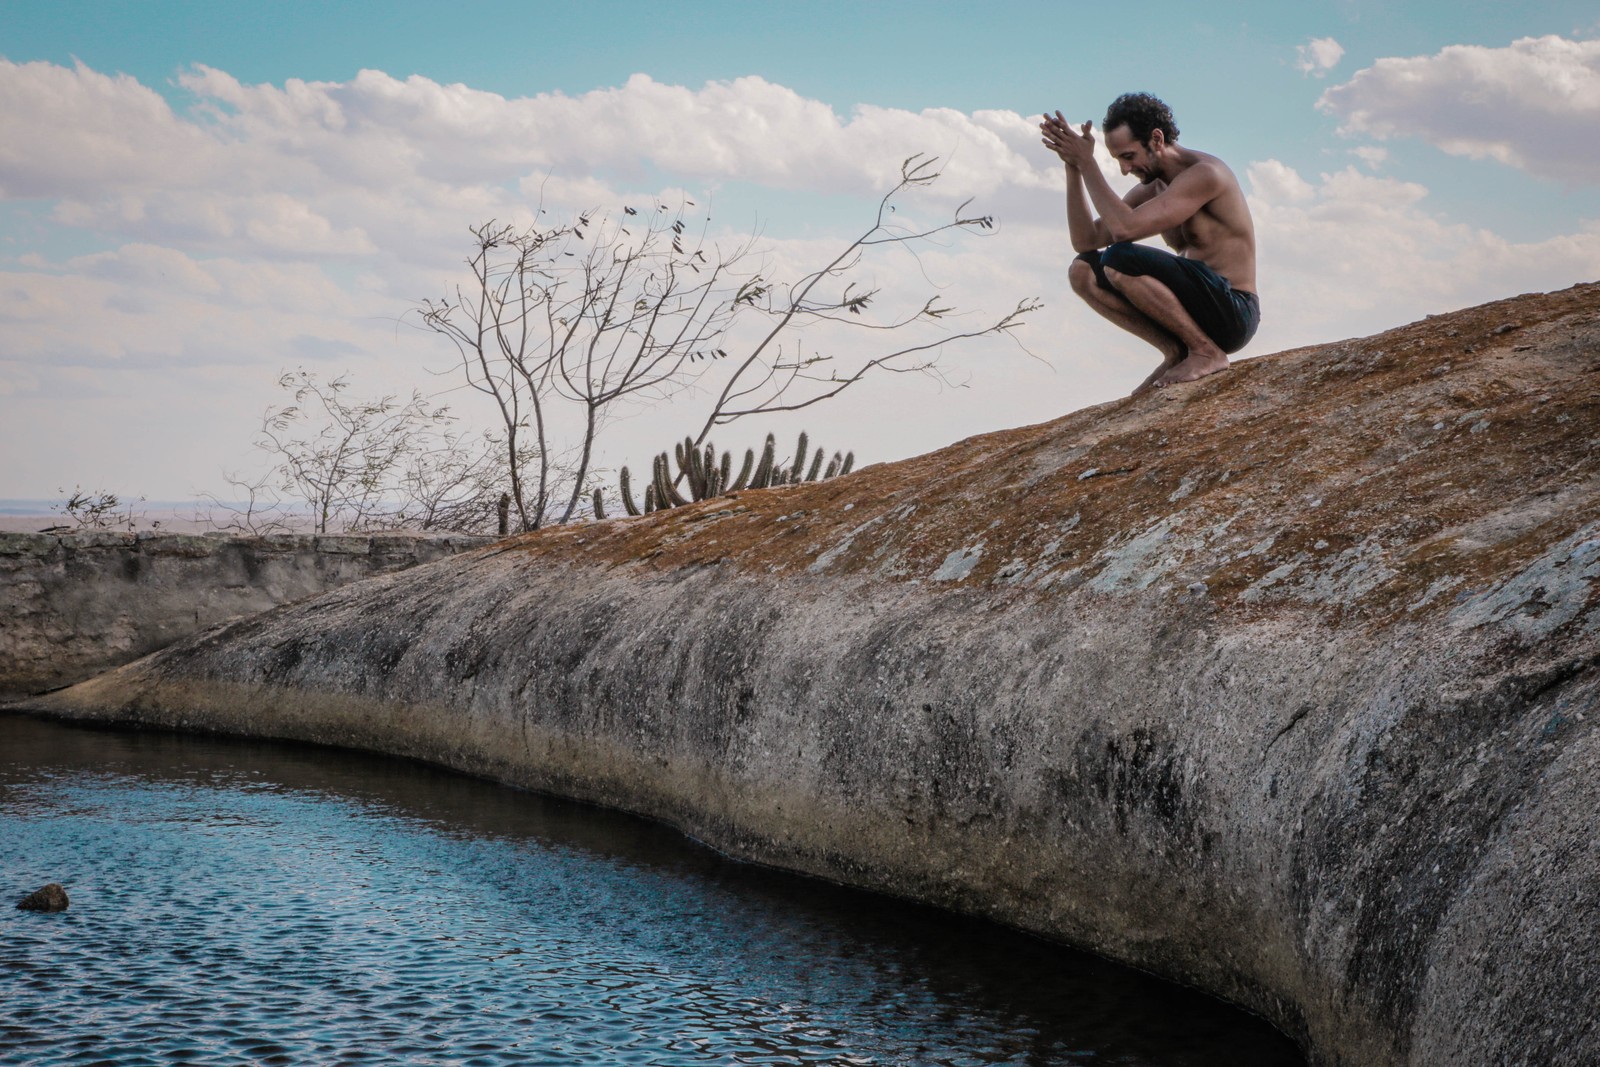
(1075, 147)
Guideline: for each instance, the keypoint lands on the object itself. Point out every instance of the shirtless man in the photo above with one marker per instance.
(1196, 307)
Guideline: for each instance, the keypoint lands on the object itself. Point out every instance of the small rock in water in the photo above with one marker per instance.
(51, 898)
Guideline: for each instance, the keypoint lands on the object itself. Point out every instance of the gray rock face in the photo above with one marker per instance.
(75, 604)
(1293, 698)
(49, 898)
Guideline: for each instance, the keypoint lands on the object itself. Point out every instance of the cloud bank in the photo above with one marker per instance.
(162, 264)
(1534, 104)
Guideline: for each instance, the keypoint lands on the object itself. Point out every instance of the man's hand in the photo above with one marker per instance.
(1074, 147)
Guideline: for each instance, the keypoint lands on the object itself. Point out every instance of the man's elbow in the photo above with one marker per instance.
(1086, 246)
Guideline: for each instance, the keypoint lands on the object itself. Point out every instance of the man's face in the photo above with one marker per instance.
(1133, 157)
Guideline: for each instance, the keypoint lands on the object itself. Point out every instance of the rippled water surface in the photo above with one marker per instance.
(254, 903)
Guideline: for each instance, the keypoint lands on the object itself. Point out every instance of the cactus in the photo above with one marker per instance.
(695, 469)
(709, 473)
(667, 495)
(744, 471)
(799, 459)
(763, 476)
(627, 495)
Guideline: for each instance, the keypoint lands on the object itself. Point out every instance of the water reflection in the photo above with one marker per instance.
(241, 902)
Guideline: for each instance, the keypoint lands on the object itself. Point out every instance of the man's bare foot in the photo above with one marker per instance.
(1194, 366)
(1172, 360)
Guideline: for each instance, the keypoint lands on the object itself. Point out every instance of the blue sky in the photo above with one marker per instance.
(1415, 151)
(1227, 68)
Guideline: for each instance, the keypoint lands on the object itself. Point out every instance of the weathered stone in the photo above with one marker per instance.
(26, 544)
(82, 539)
(1354, 785)
(346, 544)
(184, 546)
(50, 898)
(72, 605)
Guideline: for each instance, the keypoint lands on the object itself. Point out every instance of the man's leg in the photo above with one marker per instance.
(1152, 299)
(1116, 308)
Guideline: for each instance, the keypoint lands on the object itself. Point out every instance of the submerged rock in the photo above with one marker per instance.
(1354, 784)
(50, 898)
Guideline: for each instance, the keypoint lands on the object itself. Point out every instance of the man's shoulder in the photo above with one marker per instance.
(1205, 165)
(1205, 179)
(1213, 169)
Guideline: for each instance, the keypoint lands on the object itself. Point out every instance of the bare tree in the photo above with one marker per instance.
(585, 315)
(564, 325)
(256, 508)
(451, 481)
(765, 382)
(96, 509)
(337, 454)
(358, 464)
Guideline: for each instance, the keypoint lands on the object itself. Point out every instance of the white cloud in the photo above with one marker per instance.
(1534, 104)
(69, 132)
(1353, 253)
(268, 226)
(1279, 183)
(1318, 56)
(1374, 156)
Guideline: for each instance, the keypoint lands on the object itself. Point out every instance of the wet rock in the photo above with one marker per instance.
(50, 898)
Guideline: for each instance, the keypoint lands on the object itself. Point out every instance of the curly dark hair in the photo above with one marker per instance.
(1143, 114)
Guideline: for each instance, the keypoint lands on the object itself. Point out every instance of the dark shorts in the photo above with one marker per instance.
(1228, 316)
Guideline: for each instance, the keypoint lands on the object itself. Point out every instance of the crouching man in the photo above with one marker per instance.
(1196, 307)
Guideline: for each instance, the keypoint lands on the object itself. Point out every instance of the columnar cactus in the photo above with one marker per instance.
(709, 473)
(764, 471)
(744, 471)
(799, 460)
(627, 496)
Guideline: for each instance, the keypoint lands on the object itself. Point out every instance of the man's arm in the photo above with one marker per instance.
(1075, 148)
(1072, 147)
(1130, 220)
(1088, 234)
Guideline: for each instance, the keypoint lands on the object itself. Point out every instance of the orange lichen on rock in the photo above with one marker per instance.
(1388, 475)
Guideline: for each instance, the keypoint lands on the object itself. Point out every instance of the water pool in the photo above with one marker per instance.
(258, 903)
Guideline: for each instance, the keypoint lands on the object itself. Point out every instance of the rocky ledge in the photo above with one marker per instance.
(1283, 683)
(75, 604)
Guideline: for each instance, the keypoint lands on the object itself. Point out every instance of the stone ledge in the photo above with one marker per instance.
(77, 603)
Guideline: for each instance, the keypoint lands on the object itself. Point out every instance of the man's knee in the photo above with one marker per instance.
(1080, 275)
(1122, 259)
